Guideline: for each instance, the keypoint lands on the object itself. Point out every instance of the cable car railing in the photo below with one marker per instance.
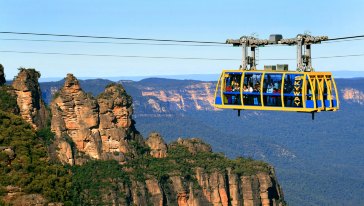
(285, 91)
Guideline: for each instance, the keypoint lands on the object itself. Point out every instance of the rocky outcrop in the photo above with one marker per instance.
(7, 154)
(17, 197)
(30, 103)
(115, 111)
(216, 188)
(194, 145)
(2, 75)
(87, 127)
(158, 147)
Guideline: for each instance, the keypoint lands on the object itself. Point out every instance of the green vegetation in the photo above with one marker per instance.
(32, 71)
(7, 100)
(95, 180)
(31, 169)
(46, 134)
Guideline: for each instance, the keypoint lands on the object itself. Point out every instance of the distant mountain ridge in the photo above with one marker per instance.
(199, 77)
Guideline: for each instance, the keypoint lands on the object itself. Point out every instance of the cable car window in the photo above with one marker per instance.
(251, 89)
(232, 88)
(324, 89)
(272, 89)
(319, 91)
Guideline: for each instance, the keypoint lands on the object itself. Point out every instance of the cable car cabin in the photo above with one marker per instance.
(276, 90)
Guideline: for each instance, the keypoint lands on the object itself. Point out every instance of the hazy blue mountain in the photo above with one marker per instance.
(199, 77)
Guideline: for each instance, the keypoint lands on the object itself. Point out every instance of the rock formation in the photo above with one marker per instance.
(195, 145)
(17, 197)
(204, 188)
(353, 95)
(216, 188)
(30, 103)
(2, 75)
(7, 154)
(98, 128)
(158, 147)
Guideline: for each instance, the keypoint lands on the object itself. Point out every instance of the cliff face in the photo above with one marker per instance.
(204, 187)
(30, 103)
(198, 96)
(98, 128)
(151, 98)
(353, 95)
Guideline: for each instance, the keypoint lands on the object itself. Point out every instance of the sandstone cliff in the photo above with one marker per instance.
(171, 96)
(353, 95)
(88, 127)
(191, 176)
(30, 103)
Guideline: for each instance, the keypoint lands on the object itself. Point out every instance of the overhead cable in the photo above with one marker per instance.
(109, 37)
(164, 57)
(108, 42)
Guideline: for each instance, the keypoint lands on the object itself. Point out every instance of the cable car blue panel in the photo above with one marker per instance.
(218, 100)
(327, 103)
(310, 104)
(334, 103)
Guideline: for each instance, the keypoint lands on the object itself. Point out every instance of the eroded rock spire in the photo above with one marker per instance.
(29, 98)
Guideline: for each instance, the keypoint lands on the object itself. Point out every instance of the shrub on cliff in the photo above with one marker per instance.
(91, 181)
(30, 169)
(8, 100)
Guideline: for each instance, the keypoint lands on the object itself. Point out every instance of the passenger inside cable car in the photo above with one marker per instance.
(272, 87)
(252, 95)
(232, 89)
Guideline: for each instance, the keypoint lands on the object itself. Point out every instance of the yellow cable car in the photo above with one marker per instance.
(276, 88)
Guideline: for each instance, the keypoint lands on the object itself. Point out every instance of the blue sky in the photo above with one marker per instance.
(186, 20)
